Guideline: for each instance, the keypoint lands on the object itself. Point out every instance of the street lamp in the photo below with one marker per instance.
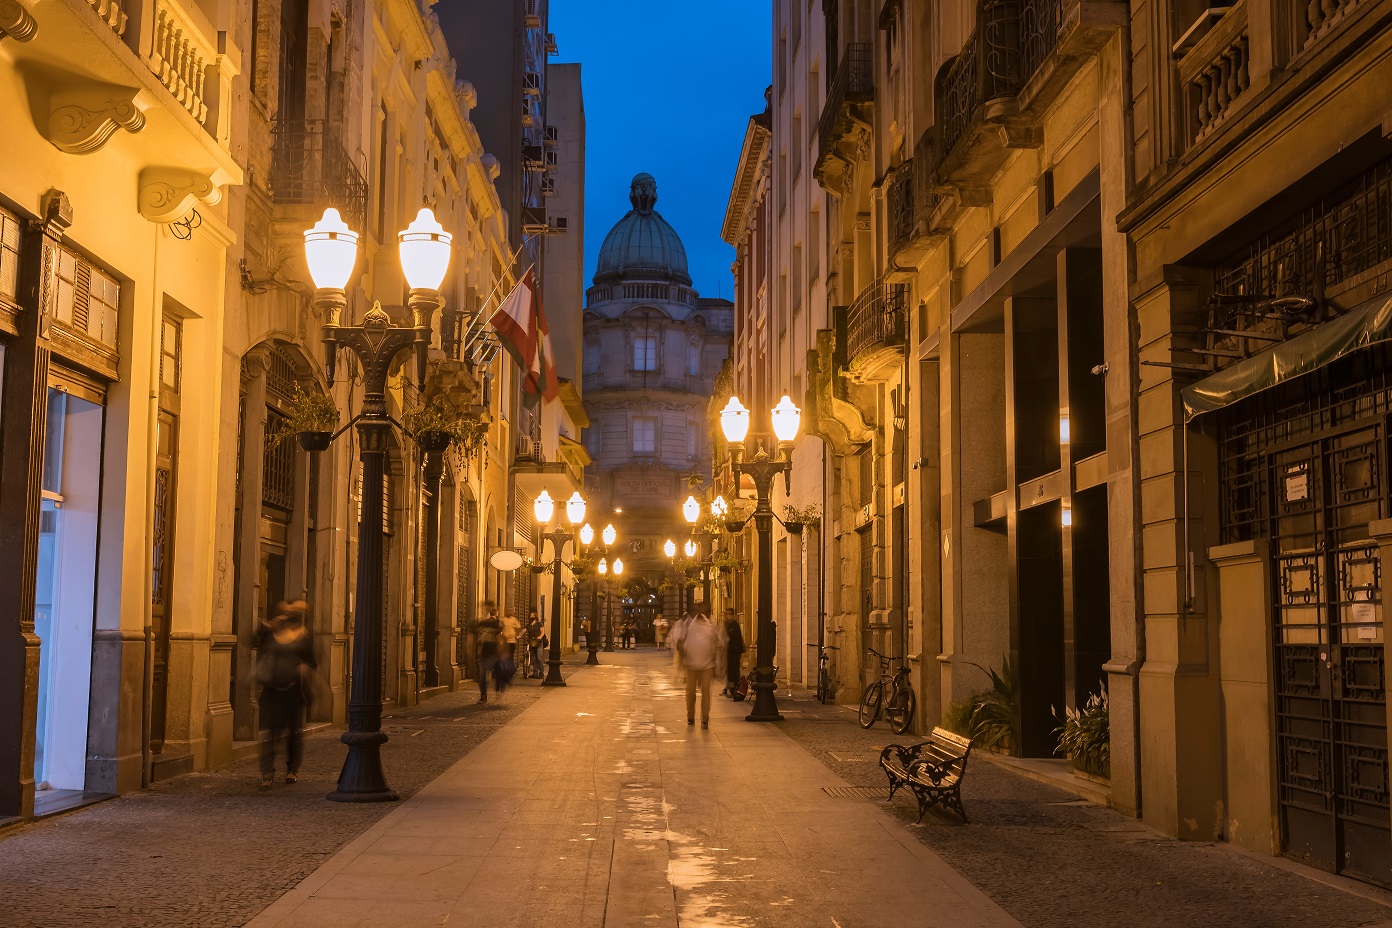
(734, 422)
(691, 509)
(609, 535)
(587, 536)
(331, 250)
(544, 508)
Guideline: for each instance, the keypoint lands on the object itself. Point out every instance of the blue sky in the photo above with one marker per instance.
(669, 88)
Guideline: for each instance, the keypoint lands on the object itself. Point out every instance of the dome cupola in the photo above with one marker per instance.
(642, 246)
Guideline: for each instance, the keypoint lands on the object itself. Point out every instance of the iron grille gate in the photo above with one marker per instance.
(1306, 466)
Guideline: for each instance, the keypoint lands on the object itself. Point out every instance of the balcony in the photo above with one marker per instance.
(1017, 62)
(531, 14)
(845, 120)
(313, 169)
(876, 325)
(913, 200)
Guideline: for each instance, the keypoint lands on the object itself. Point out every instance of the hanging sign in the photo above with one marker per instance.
(1297, 483)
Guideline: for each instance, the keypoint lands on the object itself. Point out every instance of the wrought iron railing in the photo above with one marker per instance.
(1343, 235)
(854, 82)
(925, 176)
(987, 69)
(899, 201)
(313, 168)
(879, 316)
(1040, 22)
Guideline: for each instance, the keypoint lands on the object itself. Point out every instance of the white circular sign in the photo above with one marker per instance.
(505, 560)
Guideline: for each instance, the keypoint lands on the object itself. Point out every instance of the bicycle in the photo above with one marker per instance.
(826, 688)
(902, 701)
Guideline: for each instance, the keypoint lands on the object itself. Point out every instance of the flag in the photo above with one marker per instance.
(522, 330)
(515, 321)
(544, 379)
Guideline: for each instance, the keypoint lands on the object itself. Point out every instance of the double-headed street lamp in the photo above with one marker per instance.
(691, 509)
(544, 508)
(331, 251)
(609, 534)
(734, 422)
(591, 642)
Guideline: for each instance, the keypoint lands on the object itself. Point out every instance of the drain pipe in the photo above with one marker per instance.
(147, 690)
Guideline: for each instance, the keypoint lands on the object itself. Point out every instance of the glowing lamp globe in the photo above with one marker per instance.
(425, 252)
(786, 420)
(720, 507)
(544, 507)
(586, 534)
(734, 421)
(690, 548)
(691, 509)
(618, 566)
(575, 508)
(603, 565)
(331, 250)
(670, 548)
(610, 534)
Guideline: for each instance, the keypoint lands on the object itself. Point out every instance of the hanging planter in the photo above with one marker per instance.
(433, 441)
(315, 441)
(437, 425)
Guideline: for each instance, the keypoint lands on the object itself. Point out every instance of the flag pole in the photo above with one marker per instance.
(479, 316)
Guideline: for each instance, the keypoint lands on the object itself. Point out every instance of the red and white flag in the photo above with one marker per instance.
(522, 331)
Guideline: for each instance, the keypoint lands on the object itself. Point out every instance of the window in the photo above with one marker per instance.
(693, 440)
(85, 298)
(9, 255)
(645, 352)
(644, 435)
(592, 358)
(693, 359)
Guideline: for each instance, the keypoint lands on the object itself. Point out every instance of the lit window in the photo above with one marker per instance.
(645, 352)
(644, 435)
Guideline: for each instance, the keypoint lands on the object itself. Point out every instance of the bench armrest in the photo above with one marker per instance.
(906, 754)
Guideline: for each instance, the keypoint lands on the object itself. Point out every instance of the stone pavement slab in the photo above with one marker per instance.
(599, 806)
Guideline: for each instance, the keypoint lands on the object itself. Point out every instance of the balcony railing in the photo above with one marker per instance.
(988, 70)
(899, 202)
(913, 198)
(180, 56)
(1041, 21)
(877, 319)
(853, 83)
(1215, 73)
(313, 169)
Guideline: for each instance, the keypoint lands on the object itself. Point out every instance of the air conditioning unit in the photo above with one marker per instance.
(548, 186)
(551, 48)
(531, 83)
(527, 119)
(560, 225)
(551, 135)
(532, 13)
(551, 160)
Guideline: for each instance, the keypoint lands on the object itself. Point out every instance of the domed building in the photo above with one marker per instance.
(652, 349)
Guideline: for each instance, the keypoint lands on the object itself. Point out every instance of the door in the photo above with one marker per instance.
(1331, 711)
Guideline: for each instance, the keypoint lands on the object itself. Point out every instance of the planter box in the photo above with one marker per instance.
(315, 441)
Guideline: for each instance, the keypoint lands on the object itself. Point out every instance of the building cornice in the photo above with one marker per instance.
(753, 154)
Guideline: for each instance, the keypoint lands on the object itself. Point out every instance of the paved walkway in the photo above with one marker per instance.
(599, 806)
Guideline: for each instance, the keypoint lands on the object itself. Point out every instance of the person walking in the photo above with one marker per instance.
(660, 627)
(536, 634)
(734, 651)
(490, 629)
(701, 650)
(284, 661)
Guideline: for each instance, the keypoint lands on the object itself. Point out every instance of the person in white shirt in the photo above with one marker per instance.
(700, 648)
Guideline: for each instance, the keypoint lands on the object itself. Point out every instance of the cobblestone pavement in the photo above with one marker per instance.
(208, 849)
(1053, 860)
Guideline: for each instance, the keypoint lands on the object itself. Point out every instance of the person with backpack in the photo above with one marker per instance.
(284, 665)
(490, 630)
(734, 652)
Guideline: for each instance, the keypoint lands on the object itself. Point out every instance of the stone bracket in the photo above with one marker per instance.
(1020, 133)
(167, 194)
(82, 118)
(16, 22)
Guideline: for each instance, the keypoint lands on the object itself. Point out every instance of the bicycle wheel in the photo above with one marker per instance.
(870, 704)
(900, 711)
(823, 686)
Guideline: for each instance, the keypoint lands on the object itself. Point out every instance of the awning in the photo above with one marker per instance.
(1309, 351)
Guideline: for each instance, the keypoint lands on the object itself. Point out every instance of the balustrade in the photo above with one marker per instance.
(179, 56)
(112, 12)
(1216, 73)
(1323, 15)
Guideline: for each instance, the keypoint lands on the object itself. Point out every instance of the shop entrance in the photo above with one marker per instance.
(66, 583)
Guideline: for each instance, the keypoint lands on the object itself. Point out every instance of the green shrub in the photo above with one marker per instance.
(1085, 735)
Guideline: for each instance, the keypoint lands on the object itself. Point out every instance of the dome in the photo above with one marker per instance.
(642, 245)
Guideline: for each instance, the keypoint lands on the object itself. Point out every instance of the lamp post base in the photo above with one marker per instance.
(553, 673)
(765, 708)
(594, 653)
(362, 779)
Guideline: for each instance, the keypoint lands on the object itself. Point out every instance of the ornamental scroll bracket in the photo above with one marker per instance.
(83, 117)
(167, 194)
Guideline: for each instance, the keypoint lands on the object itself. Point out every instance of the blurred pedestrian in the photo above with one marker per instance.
(734, 651)
(701, 652)
(660, 627)
(536, 634)
(284, 665)
(490, 629)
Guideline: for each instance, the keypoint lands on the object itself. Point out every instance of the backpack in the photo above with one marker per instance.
(742, 688)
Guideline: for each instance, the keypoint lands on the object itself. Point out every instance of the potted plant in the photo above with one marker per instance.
(795, 519)
(1085, 738)
(311, 418)
(436, 425)
(987, 717)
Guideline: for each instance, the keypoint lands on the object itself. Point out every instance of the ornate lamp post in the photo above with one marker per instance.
(587, 536)
(331, 252)
(691, 509)
(609, 536)
(734, 422)
(544, 508)
(669, 548)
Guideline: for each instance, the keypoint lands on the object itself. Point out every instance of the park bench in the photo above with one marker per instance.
(933, 769)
